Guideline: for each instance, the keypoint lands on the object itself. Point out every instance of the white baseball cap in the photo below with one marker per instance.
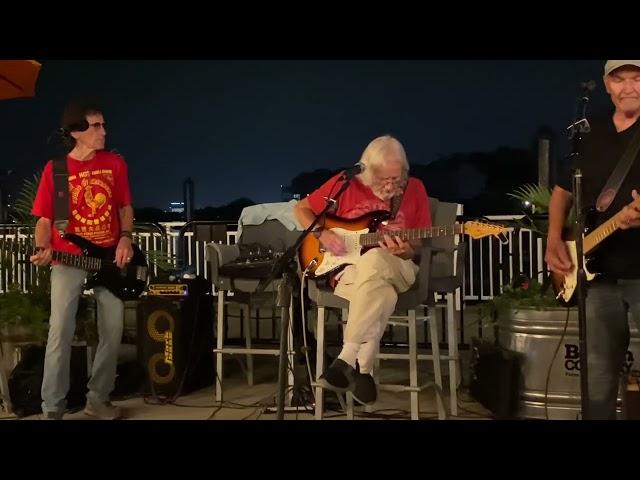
(611, 65)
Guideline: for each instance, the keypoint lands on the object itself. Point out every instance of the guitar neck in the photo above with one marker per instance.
(79, 261)
(600, 234)
(372, 239)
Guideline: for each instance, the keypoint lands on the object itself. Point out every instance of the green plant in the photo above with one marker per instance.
(533, 197)
(524, 293)
(161, 260)
(24, 201)
(23, 309)
(535, 201)
(27, 309)
(535, 204)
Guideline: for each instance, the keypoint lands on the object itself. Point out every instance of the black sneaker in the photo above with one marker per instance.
(365, 391)
(339, 377)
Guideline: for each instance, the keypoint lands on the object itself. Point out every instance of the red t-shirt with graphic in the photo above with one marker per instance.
(98, 188)
(358, 200)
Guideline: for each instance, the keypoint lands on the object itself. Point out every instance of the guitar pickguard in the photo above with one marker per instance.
(332, 262)
(571, 279)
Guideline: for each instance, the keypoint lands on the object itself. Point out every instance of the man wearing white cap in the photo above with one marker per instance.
(616, 290)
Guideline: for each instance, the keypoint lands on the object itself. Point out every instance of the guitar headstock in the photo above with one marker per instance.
(477, 230)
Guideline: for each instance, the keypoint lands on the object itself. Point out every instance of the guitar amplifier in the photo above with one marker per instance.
(175, 338)
(168, 290)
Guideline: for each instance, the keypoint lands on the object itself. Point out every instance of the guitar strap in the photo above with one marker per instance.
(60, 194)
(618, 175)
(396, 201)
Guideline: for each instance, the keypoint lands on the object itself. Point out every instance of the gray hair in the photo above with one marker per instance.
(381, 150)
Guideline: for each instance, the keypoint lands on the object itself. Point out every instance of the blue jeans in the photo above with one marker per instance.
(608, 305)
(66, 289)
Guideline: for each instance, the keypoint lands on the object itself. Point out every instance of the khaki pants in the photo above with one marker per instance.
(372, 286)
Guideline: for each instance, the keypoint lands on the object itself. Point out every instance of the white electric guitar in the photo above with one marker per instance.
(565, 285)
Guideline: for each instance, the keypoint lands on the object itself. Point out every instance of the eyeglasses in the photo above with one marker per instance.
(97, 125)
(393, 181)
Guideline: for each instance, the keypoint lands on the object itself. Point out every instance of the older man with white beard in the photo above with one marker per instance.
(373, 283)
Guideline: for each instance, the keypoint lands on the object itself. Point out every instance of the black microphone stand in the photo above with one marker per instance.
(577, 129)
(286, 266)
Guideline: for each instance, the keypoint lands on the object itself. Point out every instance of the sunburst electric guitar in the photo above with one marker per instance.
(360, 234)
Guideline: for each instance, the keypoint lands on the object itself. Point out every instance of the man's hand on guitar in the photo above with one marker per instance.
(557, 256)
(124, 252)
(398, 247)
(629, 216)
(332, 243)
(42, 258)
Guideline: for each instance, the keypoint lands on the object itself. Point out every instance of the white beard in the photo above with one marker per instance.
(386, 194)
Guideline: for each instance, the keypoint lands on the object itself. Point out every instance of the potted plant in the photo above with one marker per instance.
(24, 313)
(528, 321)
(23, 317)
(522, 294)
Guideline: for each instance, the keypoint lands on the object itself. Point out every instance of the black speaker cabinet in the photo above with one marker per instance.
(25, 381)
(175, 340)
(496, 378)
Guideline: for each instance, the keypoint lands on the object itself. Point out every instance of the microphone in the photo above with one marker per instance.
(589, 86)
(57, 136)
(581, 125)
(351, 172)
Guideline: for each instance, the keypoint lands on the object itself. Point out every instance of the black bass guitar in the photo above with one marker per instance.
(126, 283)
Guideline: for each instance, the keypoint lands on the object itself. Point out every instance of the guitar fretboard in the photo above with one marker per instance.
(601, 233)
(79, 261)
(372, 239)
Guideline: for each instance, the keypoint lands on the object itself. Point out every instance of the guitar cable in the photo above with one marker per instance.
(553, 359)
(304, 327)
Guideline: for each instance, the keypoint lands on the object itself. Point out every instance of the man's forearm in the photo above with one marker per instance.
(559, 205)
(43, 232)
(126, 218)
(304, 214)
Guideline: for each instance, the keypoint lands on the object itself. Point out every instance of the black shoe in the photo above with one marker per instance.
(365, 391)
(339, 377)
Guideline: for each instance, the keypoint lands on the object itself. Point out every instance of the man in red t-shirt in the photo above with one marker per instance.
(372, 284)
(100, 211)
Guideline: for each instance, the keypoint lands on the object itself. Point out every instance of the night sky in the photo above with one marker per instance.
(243, 128)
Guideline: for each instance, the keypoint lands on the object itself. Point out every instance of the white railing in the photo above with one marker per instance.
(489, 264)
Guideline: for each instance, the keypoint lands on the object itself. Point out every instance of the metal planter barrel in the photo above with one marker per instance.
(535, 334)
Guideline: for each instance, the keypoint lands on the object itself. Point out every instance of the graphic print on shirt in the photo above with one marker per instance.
(91, 193)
